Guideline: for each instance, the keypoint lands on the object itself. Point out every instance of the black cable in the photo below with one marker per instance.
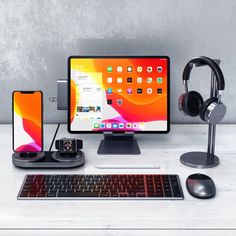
(54, 137)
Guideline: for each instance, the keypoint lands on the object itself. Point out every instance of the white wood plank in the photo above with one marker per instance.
(216, 213)
(117, 232)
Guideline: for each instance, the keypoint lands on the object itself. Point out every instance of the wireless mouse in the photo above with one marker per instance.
(200, 186)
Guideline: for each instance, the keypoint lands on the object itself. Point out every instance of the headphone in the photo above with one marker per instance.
(192, 104)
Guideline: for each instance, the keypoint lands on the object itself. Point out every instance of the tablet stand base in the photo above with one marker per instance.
(123, 144)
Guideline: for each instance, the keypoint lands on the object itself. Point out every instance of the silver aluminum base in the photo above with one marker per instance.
(199, 160)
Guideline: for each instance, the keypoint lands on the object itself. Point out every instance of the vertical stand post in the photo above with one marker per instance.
(205, 159)
(211, 127)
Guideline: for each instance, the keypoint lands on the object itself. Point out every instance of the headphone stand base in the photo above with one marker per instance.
(199, 160)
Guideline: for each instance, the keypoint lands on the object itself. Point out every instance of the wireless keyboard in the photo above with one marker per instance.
(106, 187)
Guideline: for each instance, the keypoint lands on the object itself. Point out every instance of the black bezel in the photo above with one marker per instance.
(27, 92)
(72, 142)
(97, 132)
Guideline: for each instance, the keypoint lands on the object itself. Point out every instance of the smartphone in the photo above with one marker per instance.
(27, 120)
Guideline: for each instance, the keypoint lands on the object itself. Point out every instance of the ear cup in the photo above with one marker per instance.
(190, 103)
(205, 105)
(212, 111)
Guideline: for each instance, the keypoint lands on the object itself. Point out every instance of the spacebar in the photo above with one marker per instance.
(77, 194)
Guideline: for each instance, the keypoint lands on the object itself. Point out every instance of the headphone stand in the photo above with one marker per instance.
(205, 159)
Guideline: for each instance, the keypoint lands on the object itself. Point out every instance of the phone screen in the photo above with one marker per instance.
(27, 121)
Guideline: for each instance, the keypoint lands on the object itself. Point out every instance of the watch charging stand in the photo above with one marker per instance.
(48, 160)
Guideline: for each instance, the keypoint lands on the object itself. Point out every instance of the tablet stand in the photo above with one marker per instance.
(118, 144)
(205, 159)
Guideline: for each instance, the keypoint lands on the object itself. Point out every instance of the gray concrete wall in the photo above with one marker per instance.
(37, 36)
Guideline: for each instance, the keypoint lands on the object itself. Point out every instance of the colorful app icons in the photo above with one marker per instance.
(102, 125)
(129, 68)
(135, 125)
(109, 90)
(96, 125)
(129, 80)
(119, 80)
(109, 80)
(139, 80)
(121, 125)
(114, 125)
(108, 125)
(159, 90)
(109, 101)
(119, 90)
(159, 69)
(149, 69)
(149, 80)
(129, 90)
(139, 69)
(149, 90)
(142, 126)
(139, 90)
(119, 102)
(119, 68)
(159, 80)
(98, 108)
(109, 69)
(128, 125)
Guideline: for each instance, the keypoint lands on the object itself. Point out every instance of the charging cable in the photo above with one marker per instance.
(55, 134)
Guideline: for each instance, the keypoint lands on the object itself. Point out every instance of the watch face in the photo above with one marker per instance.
(67, 145)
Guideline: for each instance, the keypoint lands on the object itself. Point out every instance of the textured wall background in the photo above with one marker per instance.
(36, 37)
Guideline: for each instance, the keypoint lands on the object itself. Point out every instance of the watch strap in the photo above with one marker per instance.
(57, 144)
(79, 144)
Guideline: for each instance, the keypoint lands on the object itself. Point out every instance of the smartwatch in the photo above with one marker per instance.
(68, 145)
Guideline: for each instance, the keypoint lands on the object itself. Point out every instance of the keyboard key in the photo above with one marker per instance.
(51, 194)
(24, 194)
(77, 194)
(104, 194)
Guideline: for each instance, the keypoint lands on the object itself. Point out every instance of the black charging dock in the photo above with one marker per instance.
(47, 160)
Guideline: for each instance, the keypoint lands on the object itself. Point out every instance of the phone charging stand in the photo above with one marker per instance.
(78, 157)
(47, 160)
(28, 156)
